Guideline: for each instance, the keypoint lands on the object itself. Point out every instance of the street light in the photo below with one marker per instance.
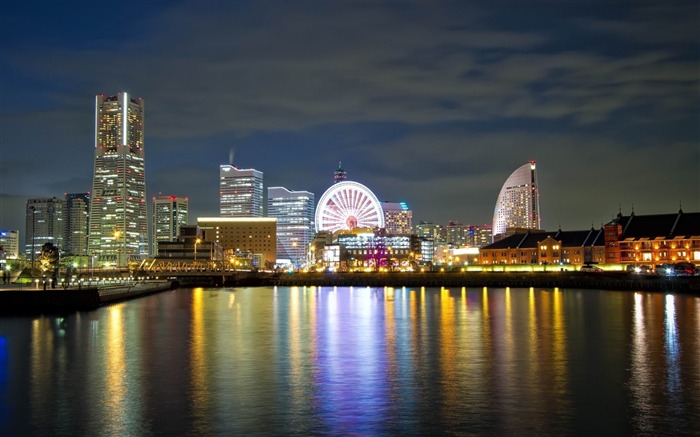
(33, 208)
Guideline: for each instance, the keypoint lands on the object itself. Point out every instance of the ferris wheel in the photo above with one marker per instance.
(348, 205)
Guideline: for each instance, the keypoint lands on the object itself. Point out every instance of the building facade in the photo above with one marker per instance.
(256, 236)
(294, 211)
(44, 224)
(480, 235)
(547, 248)
(118, 211)
(240, 192)
(398, 218)
(77, 223)
(518, 203)
(431, 231)
(653, 239)
(168, 215)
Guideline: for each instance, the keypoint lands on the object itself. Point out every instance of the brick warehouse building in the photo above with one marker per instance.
(627, 240)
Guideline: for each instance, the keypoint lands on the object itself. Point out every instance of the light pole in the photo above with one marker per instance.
(33, 209)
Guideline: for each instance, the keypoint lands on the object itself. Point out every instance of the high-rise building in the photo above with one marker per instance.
(339, 175)
(118, 211)
(240, 191)
(294, 211)
(397, 218)
(518, 204)
(457, 234)
(168, 215)
(44, 224)
(76, 218)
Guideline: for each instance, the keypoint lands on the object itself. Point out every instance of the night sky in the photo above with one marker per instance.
(431, 103)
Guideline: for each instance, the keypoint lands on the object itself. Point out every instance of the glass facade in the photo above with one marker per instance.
(44, 224)
(168, 215)
(294, 211)
(518, 204)
(118, 212)
(76, 216)
(240, 191)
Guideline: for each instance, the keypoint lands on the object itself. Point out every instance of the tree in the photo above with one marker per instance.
(49, 260)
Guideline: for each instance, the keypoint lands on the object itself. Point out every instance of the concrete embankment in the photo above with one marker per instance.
(601, 281)
(28, 301)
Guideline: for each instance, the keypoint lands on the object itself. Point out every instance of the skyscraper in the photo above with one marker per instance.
(44, 224)
(118, 211)
(294, 211)
(169, 213)
(240, 191)
(76, 218)
(518, 204)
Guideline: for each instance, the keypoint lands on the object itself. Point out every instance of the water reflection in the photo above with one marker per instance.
(358, 360)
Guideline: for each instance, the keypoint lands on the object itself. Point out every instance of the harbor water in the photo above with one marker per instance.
(358, 361)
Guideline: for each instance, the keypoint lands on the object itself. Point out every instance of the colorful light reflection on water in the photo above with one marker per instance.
(361, 361)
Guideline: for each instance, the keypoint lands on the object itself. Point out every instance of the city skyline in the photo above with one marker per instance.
(433, 105)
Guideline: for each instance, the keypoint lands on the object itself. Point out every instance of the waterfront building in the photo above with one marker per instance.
(294, 211)
(348, 205)
(44, 224)
(9, 241)
(240, 191)
(540, 247)
(397, 218)
(118, 211)
(192, 245)
(518, 203)
(77, 223)
(653, 239)
(256, 236)
(339, 175)
(168, 215)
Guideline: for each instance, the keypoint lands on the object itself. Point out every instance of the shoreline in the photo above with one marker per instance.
(17, 301)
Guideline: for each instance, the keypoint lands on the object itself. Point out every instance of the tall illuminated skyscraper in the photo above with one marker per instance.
(118, 211)
(518, 204)
(169, 213)
(294, 211)
(241, 192)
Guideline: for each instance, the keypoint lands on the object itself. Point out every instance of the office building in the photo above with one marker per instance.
(397, 218)
(118, 211)
(294, 211)
(77, 225)
(431, 231)
(44, 224)
(480, 235)
(168, 215)
(240, 191)
(457, 234)
(256, 236)
(518, 203)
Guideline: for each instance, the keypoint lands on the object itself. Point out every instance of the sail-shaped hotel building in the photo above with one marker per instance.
(518, 204)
